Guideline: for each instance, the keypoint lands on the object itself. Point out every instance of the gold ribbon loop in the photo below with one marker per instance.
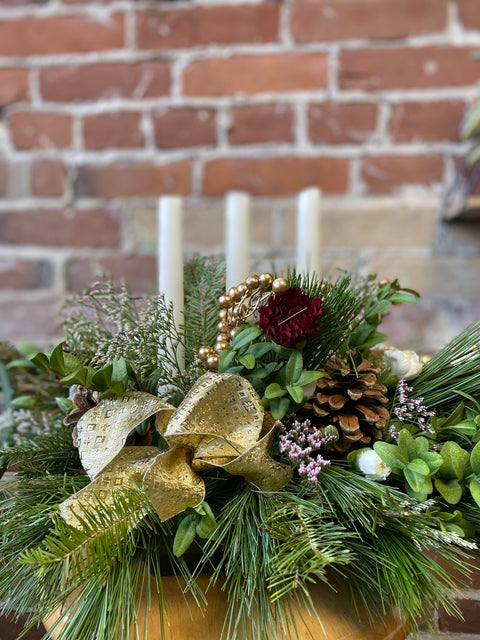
(220, 423)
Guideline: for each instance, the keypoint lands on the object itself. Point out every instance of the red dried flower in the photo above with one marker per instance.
(290, 317)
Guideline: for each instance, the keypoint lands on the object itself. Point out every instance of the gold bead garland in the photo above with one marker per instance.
(238, 304)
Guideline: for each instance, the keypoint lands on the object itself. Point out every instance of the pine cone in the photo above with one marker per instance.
(352, 401)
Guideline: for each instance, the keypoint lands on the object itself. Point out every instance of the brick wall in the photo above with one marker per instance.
(106, 105)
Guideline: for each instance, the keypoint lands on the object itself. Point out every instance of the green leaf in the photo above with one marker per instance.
(23, 402)
(283, 352)
(474, 487)
(376, 338)
(260, 373)
(475, 459)
(57, 362)
(294, 367)
(405, 298)
(20, 362)
(247, 360)
(259, 349)
(279, 407)
(379, 307)
(296, 393)
(307, 377)
(391, 455)
(225, 359)
(40, 360)
(455, 460)
(185, 534)
(245, 337)
(274, 390)
(433, 460)
(102, 379)
(419, 467)
(450, 490)
(422, 445)
(361, 334)
(77, 377)
(119, 370)
(406, 444)
(418, 482)
(65, 404)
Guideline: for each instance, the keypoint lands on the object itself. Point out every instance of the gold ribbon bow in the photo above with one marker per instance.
(220, 423)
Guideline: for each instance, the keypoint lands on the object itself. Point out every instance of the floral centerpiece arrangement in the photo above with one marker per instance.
(291, 449)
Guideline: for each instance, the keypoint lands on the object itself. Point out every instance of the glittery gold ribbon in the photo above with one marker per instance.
(220, 423)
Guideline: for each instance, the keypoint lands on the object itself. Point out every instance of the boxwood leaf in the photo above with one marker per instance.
(475, 459)
(296, 393)
(391, 455)
(294, 367)
(279, 407)
(450, 490)
(274, 390)
(247, 360)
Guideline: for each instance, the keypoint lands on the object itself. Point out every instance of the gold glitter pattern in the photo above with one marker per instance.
(220, 423)
(102, 431)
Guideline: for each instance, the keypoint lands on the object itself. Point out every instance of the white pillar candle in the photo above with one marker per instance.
(237, 237)
(170, 261)
(308, 232)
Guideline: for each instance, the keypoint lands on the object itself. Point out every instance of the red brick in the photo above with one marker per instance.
(73, 228)
(469, 13)
(387, 174)
(186, 127)
(105, 80)
(3, 180)
(261, 123)
(426, 121)
(13, 86)
(404, 68)
(331, 123)
(60, 34)
(256, 74)
(127, 179)
(315, 20)
(198, 26)
(48, 178)
(139, 272)
(471, 613)
(117, 130)
(34, 320)
(275, 176)
(31, 130)
(24, 274)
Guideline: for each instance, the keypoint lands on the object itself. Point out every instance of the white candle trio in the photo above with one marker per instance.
(237, 241)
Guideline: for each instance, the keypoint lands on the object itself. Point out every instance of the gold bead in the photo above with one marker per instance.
(242, 289)
(204, 353)
(223, 337)
(280, 285)
(225, 301)
(223, 326)
(265, 281)
(221, 345)
(383, 282)
(252, 282)
(234, 294)
(232, 333)
(222, 314)
(212, 362)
